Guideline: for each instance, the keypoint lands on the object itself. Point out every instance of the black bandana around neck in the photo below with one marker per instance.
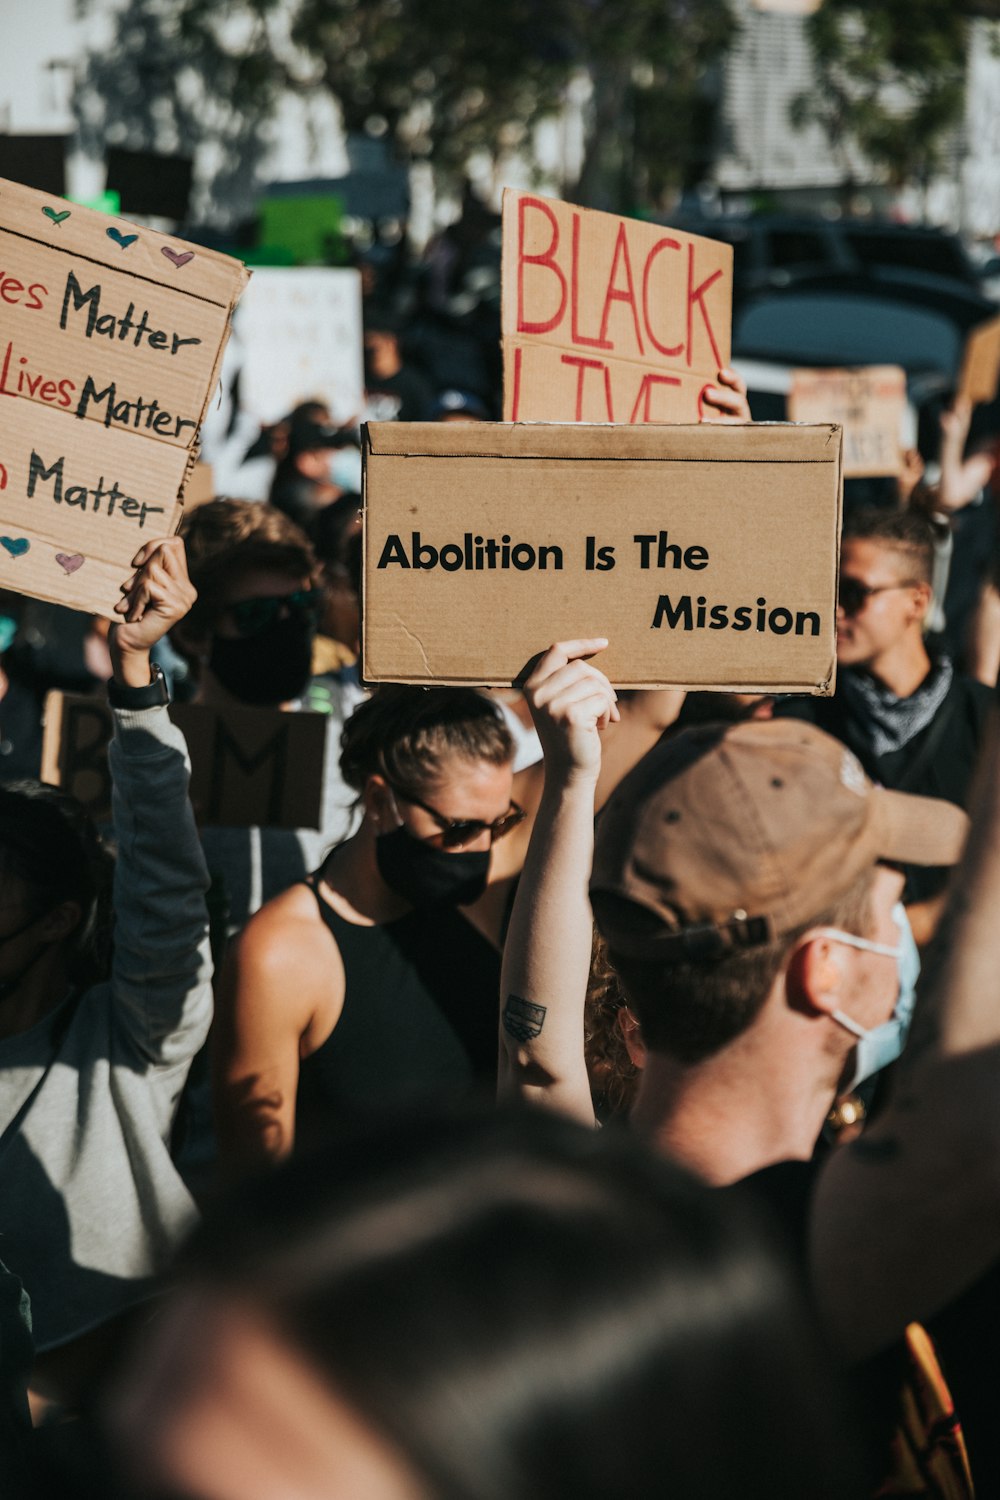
(887, 722)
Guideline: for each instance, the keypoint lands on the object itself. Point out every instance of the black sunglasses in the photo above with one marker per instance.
(853, 595)
(251, 616)
(457, 832)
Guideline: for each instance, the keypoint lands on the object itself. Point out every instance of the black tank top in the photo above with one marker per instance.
(419, 1020)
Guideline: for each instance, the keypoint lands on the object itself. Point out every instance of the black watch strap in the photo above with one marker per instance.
(156, 695)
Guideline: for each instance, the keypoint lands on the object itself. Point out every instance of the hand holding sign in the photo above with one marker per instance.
(571, 702)
(157, 595)
(726, 400)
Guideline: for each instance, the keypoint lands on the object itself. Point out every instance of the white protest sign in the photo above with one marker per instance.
(298, 336)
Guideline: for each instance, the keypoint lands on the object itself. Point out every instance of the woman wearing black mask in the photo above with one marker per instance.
(250, 637)
(376, 981)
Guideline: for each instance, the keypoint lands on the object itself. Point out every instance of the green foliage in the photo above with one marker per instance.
(890, 77)
(442, 79)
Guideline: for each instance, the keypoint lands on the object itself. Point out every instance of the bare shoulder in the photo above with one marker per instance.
(287, 956)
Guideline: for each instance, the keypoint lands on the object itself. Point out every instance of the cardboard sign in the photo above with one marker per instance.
(111, 339)
(788, 7)
(200, 486)
(298, 336)
(980, 374)
(707, 555)
(607, 319)
(249, 766)
(870, 405)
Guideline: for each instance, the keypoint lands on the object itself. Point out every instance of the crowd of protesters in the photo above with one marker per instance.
(600, 1102)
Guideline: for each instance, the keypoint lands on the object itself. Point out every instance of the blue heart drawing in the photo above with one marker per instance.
(17, 546)
(122, 239)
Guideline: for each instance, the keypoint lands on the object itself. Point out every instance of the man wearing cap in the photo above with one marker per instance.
(458, 406)
(743, 880)
(321, 465)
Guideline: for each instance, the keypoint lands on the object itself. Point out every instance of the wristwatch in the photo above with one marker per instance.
(155, 695)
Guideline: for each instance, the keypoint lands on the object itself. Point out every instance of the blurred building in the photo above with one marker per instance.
(761, 157)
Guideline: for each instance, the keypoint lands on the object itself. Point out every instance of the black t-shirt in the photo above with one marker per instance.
(782, 1195)
(966, 1336)
(403, 397)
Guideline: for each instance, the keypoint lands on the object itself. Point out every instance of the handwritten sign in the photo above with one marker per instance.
(870, 405)
(111, 339)
(707, 555)
(607, 319)
(249, 766)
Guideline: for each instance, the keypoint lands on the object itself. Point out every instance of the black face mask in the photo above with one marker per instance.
(429, 877)
(272, 666)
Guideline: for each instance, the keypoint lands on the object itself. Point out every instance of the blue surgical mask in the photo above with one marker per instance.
(878, 1046)
(345, 469)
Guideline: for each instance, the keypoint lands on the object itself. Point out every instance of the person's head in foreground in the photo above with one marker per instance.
(886, 567)
(480, 1307)
(433, 769)
(746, 883)
(55, 901)
(249, 637)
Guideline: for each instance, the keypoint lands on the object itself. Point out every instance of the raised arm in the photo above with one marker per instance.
(546, 962)
(162, 968)
(644, 715)
(961, 478)
(909, 1216)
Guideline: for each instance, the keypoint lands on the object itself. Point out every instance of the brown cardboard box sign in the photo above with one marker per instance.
(708, 555)
(980, 372)
(111, 339)
(249, 766)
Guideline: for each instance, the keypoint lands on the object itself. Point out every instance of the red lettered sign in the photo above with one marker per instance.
(608, 319)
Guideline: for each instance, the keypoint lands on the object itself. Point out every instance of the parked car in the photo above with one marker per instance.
(776, 250)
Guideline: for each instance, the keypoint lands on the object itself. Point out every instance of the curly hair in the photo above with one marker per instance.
(613, 1075)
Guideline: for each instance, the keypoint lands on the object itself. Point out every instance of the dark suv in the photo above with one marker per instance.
(772, 251)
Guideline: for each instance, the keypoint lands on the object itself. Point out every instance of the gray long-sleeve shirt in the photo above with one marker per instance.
(91, 1205)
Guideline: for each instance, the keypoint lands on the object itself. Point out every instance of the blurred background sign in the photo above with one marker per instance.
(150, 184)
(37, 161)
(297, 335)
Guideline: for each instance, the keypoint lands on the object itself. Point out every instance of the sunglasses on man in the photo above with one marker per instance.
(853, 595)
(251, 616)
(456, 833)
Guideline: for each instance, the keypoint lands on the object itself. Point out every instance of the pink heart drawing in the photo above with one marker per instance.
(69, 564)
(179, 257)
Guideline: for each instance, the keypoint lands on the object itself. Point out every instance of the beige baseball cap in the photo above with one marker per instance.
(730, 835)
